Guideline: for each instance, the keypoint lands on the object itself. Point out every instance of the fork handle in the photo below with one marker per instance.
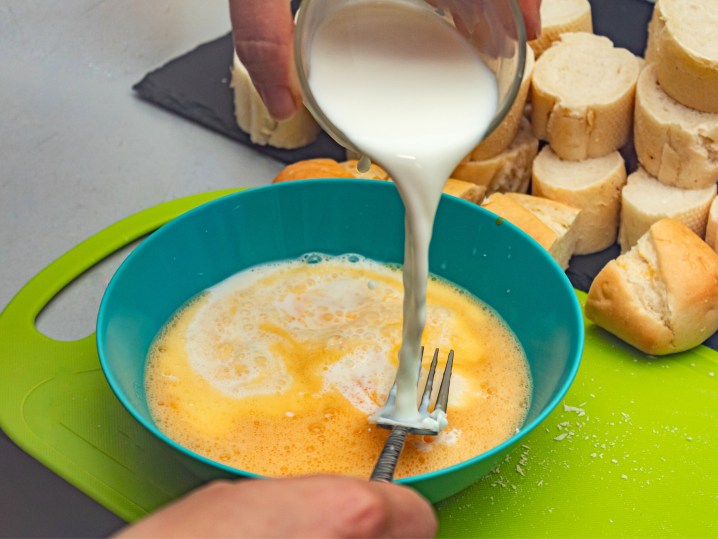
(385, 466)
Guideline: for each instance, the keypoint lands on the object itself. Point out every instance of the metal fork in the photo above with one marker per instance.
(385, 466)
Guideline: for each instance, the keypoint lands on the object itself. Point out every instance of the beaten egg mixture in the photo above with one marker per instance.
(275, 370)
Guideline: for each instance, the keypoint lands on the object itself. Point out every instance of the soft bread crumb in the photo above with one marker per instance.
(639, 269)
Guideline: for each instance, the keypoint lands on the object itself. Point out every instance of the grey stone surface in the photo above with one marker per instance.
(79, 152)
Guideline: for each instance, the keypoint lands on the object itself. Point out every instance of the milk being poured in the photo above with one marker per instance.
(414, 96)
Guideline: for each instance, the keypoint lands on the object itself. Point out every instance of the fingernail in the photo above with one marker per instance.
(279, 101)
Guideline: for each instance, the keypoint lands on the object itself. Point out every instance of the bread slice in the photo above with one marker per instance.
(685, 42)
(510, 171)
(254, 119)
(506, 132)
(582, 96)
(593, 185)
(558, 217)
(558, 244)
(646, 201)
(559, 17)
(661, 296)
(465, 190)
(674, 143)
(516, 214)
(375, 172)
(312, 169)
(712, 226)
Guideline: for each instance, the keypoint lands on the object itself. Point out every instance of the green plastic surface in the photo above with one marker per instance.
(56, 404)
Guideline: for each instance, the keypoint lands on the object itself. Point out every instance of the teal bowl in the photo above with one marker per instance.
(492, 259)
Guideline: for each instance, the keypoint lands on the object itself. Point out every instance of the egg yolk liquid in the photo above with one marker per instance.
(276, 370)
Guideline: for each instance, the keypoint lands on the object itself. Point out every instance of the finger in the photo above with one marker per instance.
(263, 38)
(409, 514)
(532, 17)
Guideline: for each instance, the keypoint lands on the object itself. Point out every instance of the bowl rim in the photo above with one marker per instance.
(157, 236)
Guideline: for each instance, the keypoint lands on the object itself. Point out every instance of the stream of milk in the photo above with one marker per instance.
(413, 95)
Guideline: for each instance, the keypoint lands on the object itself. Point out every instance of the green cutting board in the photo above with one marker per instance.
(641, 462)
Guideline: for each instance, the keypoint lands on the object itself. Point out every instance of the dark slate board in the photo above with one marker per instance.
(196, 86)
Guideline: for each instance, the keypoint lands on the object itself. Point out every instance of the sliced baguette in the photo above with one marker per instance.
(506, 132)
(517, 215)
(674, 143)
(558, 244)
(685, 46)
(582, 96)
(661, 296)
(465, 190)
(712, 226)
(558, 217)
(510, 171)
(646, 201)
(254, 119)
(559, 17)
(593, 185)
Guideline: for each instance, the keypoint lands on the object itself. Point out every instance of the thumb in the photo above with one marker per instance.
(263, 38)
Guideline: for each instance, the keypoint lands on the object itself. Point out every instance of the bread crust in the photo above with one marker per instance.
(508, 171)
(312, 169)
(688, 271)
(675, 144)
(375, 172)
(507, 130)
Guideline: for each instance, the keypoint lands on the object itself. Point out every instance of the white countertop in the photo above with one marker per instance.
(78, 151)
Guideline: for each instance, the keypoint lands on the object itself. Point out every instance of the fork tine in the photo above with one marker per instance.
(443, 399)
(426, 397)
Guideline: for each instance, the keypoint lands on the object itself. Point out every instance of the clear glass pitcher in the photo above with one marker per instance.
(494, 28)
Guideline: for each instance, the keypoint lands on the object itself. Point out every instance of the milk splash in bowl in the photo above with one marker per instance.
(412, 94)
